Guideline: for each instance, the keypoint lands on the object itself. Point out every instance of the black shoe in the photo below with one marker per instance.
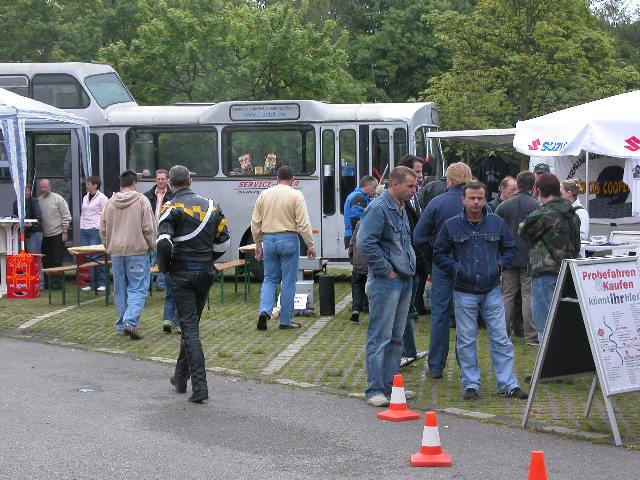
(291, 326)
(166, 326)
(516, 392)
(471, 394)
(355, 317)
(133, 332)
(181, 387)
(262, 320)
(199, 397)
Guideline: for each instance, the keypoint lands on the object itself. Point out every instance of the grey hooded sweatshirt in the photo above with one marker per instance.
(127, 226)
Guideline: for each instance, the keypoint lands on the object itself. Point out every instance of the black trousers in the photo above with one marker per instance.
(190, 291)
(358, 282)
(53, 251)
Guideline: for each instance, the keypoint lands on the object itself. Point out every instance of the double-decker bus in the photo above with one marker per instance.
(232, 148)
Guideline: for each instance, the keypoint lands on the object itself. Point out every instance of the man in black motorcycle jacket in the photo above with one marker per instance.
(192, 234)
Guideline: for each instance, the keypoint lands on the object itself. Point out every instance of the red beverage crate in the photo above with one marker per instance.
(23, 275)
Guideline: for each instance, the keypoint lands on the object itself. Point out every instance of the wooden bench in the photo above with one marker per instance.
(62, 271)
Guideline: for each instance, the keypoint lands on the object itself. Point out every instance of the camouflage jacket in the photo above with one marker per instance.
(554, 231)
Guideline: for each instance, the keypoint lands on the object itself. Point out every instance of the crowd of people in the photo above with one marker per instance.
(480, 256)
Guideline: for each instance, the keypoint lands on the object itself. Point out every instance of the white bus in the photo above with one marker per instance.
(230, 146)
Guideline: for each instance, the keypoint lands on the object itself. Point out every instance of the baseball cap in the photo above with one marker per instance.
(541, 168)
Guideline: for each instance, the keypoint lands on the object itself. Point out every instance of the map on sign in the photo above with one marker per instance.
(611, 298)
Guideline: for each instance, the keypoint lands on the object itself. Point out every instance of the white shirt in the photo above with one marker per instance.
(584, 219)
(632, 179)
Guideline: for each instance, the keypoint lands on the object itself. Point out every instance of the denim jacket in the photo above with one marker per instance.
(384, 239)
(475, 255)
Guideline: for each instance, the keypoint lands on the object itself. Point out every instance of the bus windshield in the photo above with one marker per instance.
(107, 89)
(262, 150)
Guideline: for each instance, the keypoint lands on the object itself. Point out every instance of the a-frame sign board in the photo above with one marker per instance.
(593, 327)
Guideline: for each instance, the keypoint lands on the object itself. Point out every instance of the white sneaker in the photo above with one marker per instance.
(102, 289)
(87, 288)
(378, 401)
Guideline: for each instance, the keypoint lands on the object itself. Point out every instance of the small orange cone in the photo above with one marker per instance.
(431, 453)
(398, 410)
(537, 470)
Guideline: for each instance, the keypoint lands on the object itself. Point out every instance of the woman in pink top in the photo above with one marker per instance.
(92, 205)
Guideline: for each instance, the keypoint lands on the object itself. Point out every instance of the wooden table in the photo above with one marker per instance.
(95, 250)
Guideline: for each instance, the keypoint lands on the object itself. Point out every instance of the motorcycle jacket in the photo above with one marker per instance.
(192, 233)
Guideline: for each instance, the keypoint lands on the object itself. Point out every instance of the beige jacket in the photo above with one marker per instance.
(281, 209)
(127, 226)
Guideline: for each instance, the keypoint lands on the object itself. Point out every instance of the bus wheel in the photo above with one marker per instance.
(255, 268)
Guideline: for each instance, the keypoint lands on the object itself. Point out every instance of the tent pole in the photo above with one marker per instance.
(586, 203)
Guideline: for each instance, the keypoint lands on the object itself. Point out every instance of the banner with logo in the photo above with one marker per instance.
(609, 195)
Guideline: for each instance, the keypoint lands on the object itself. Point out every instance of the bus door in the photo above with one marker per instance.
(339, 176)
(389, 142)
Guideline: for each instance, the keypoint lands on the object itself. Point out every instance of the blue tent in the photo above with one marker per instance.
(19, 114)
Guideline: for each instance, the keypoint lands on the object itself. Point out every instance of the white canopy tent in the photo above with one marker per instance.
(609, 127)
(19, 114)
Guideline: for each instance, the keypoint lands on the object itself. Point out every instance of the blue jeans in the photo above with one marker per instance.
(441, 304)
(467, 306)
(131, 283)
(33, 244)
(281, 253)
(170, 313)
(160, 277)
(542, 288)
(91, 236)
(389, 300)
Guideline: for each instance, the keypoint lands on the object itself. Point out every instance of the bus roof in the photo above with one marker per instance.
(79, 70)
(276, 111)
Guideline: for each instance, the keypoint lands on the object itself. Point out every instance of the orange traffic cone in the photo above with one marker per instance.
(537, 470)
(398, 410)
(431, 453)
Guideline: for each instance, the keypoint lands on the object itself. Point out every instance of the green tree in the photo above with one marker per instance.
(516, 59)
(201, 50)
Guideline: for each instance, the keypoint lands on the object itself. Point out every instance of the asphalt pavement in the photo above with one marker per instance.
(131, 424)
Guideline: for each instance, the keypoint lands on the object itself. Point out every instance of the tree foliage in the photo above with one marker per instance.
(516, 59)
(202, 50)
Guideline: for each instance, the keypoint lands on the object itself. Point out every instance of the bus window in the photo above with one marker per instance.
(429, 149)
(52, 160)
(400, 146)
(107, 89)
(5, 173)
(95, 154)
(262, 150)
(379, 152)
(16, 83)
(142, 153)
(328, 172)
(198, 151)
(110, 164)
(348, 157)
(59, 90)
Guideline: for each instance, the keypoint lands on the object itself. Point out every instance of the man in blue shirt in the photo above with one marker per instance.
(439, 210)
(384, 240)
(473, 248)
(355, 204)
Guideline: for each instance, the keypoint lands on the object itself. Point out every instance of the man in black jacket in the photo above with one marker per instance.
(158, 195)
(412, 207)
(518, 277)
(192, 234)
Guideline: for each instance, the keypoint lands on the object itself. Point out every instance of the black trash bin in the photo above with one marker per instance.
(327, 295)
